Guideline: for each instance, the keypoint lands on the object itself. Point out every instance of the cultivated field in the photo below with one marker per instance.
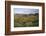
(26, 20)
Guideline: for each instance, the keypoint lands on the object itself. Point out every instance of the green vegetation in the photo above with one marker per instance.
(26, 21)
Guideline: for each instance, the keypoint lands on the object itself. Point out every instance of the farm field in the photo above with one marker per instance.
(26, 20)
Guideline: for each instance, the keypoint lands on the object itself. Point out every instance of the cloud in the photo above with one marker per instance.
(25, 11)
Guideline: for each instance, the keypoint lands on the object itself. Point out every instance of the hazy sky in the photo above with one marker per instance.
(25, 11)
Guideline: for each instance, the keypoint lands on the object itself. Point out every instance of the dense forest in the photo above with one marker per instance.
(26, 20)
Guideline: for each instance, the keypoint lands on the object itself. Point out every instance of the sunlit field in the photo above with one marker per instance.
(26, 20)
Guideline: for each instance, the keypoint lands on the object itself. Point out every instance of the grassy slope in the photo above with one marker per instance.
(28, 21)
